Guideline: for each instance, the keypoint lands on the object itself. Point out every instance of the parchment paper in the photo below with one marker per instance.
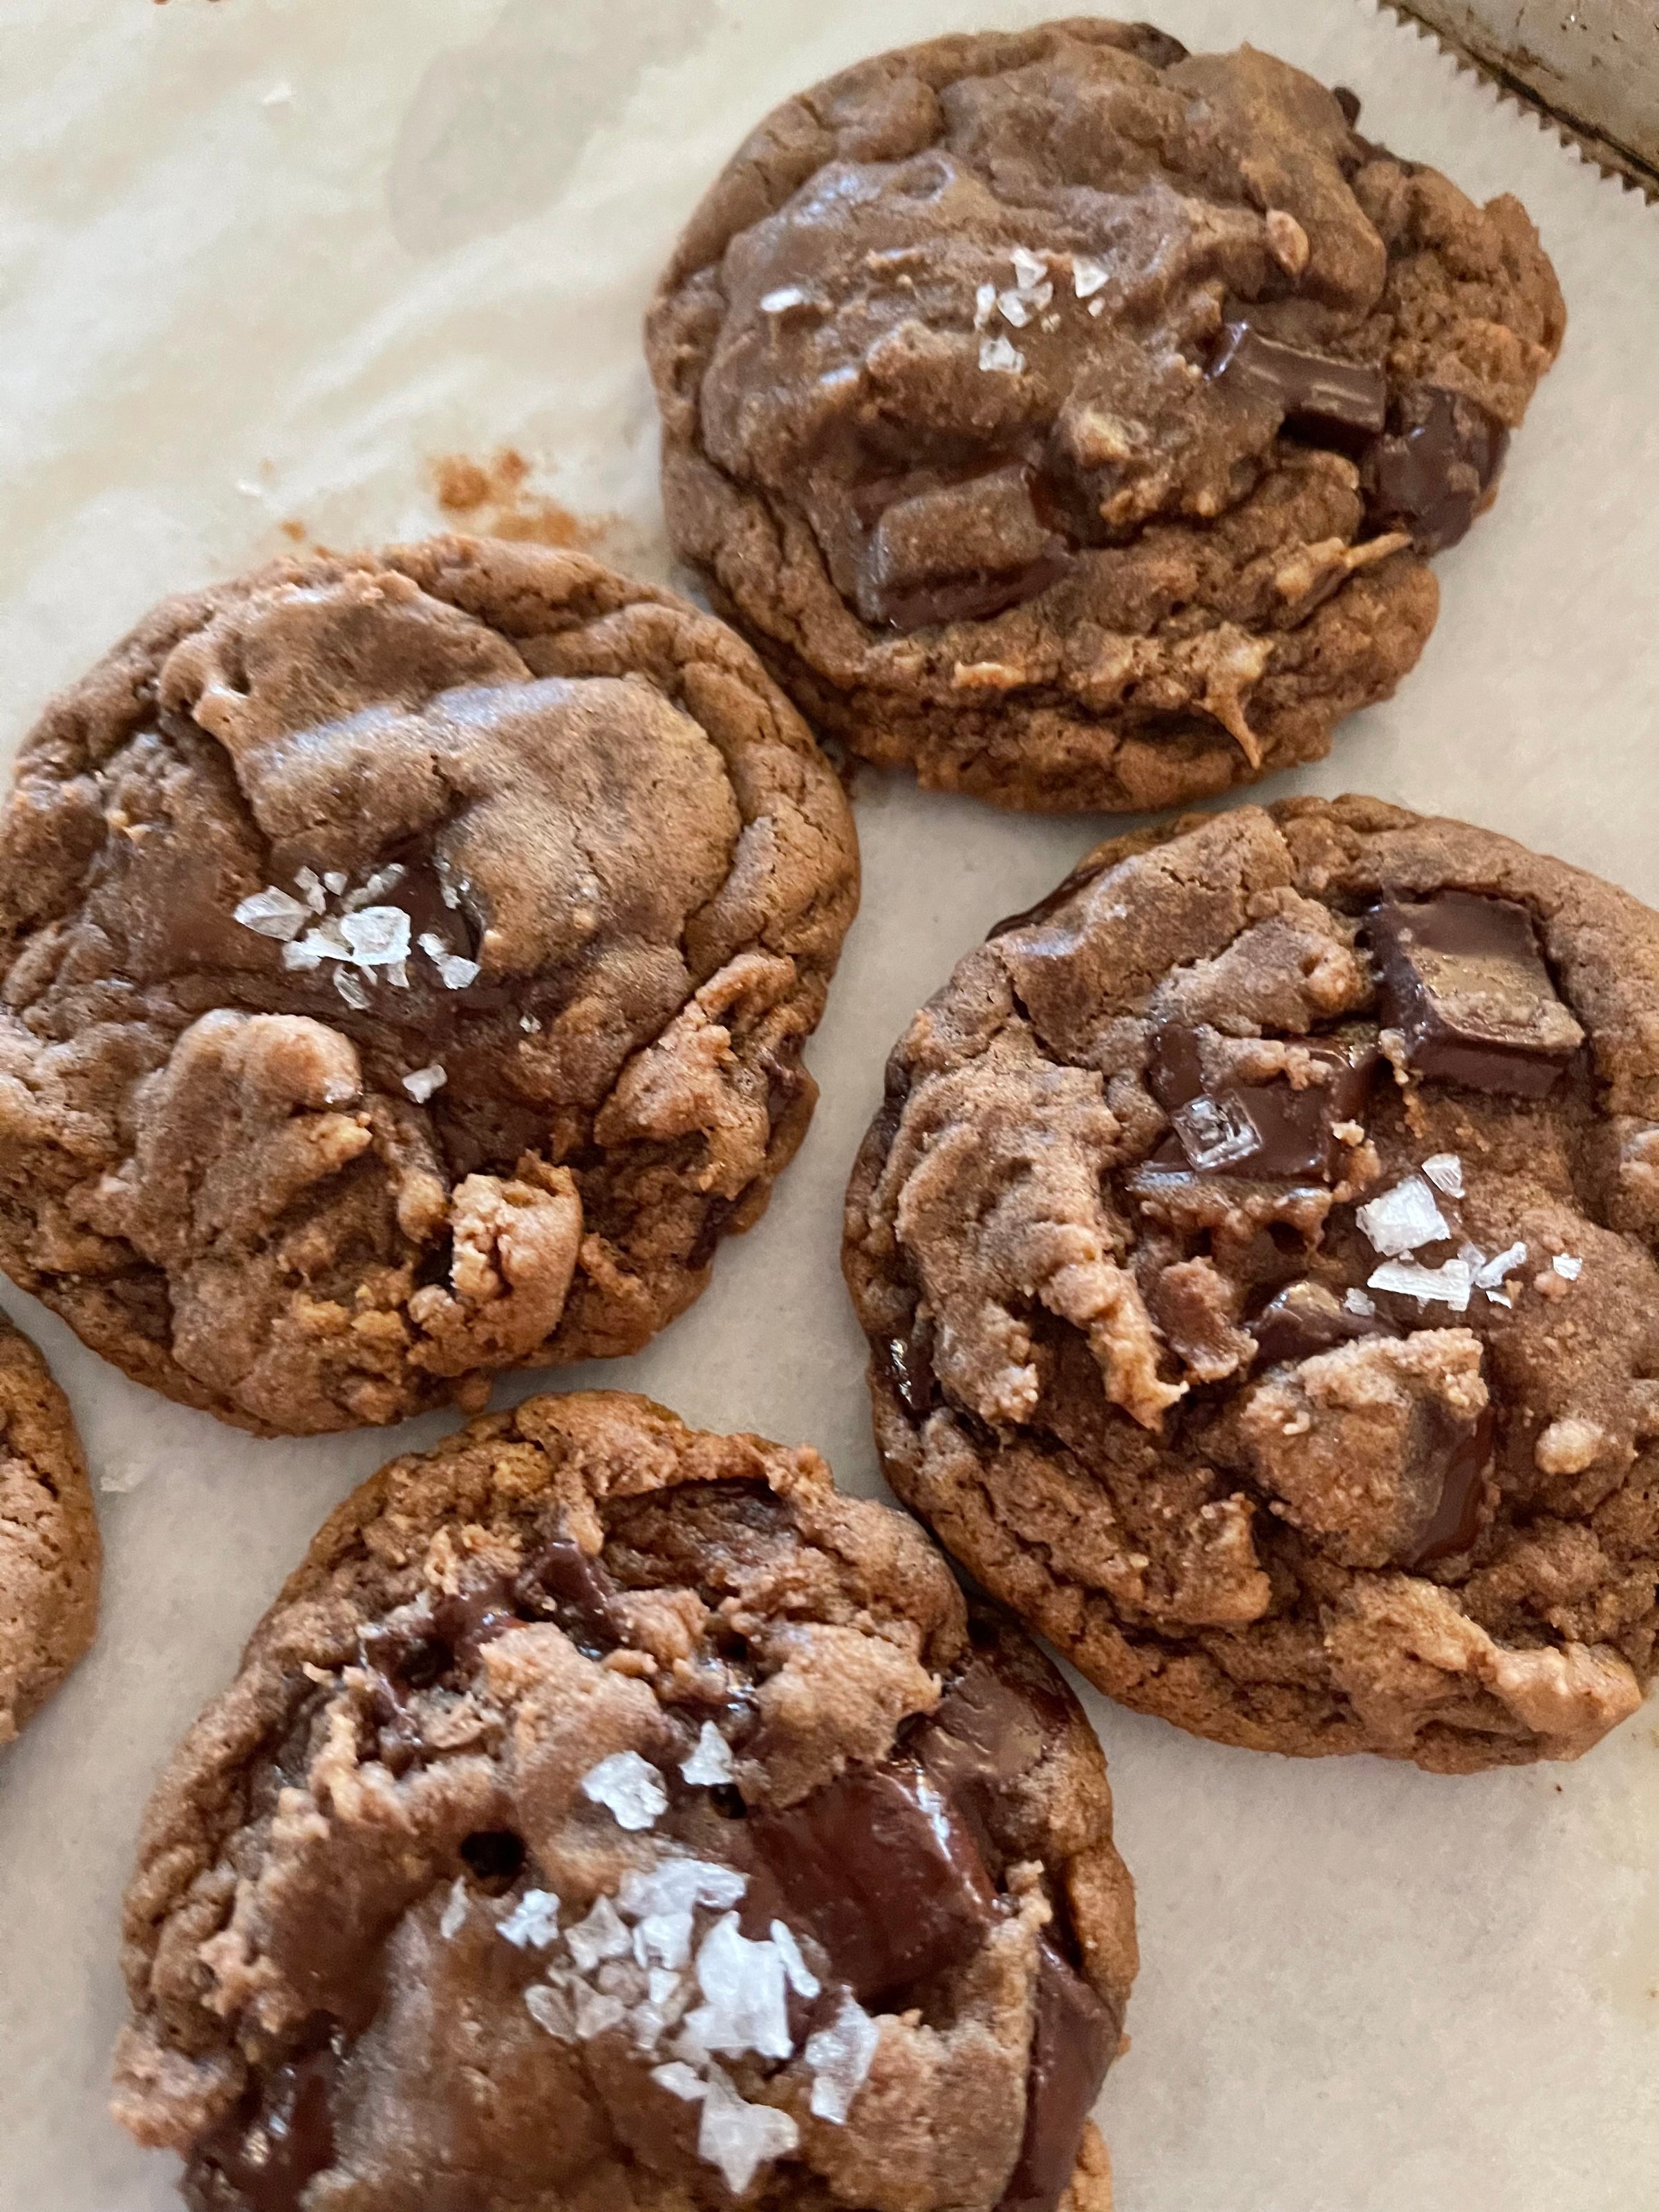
(262, 260)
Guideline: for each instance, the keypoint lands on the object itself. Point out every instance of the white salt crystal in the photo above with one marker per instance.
(998, 353)
(1097, 306)
(377, 935)
(534, 1920)
(665, 1999)
(1564, 1263)
(1445, 1171)
(600, 1936)
(840, 2056)
(1013, 309)
(351, 989)
(551, 2008)
(1358, 1302)
(678, 1885)
(455, 1911)
(985, 302)
(629, 1787)
(272, 913)
(1493, 1272)
(310, 883)
(303, 954)
(1088, 275)
(528, 1022)
(623, 1978)
(1215, 1133)
(677, 2078)
(455, 972)
(745, 2008)
(1403, 1218)
(421, 1082)
(780, 302)
(799, 1976)
(335, 880)
(711, 1762)
(1030, 269)
(1449, 1284)
(740, 2138)
(595, 2013)
(664, 1937)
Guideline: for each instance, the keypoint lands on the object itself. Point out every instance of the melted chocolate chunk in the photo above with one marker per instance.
(1307, 387)
(1157, 48)
(1079, 879)
(984, 1734)
(1304, 1318)
(1268, 1131)
(1074, 2039)
(1465, 984)
(1432, 470)
(562, 1580)
(954, 544)
(910, 1362)
(281, 2136)
(1455, 1523)
(882, 1870)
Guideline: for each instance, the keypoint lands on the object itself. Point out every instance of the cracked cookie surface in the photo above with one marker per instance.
(1257, 1253)
(700, 1846)
(406, 964)
(1072, 417)
(50, 1553)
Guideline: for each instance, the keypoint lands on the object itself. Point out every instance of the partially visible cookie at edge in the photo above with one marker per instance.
(50, 1553)
(1073, 417)
(610, 1814)
(1257, 1251)
(407, 960)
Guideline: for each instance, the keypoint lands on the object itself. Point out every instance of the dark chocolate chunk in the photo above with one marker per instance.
(1348, 101)
(1466, 1447)
(954, 544)
(984, 1733)
(260, 2158)
(1305, 1318)
(1074, 2039)
(1432, 470)
(1079, 879)
(1465, 984)
(881, 1868)
(1306, 387)
(563, 1580)
(1268, 1131)
(1150, 45)
(909, 1362)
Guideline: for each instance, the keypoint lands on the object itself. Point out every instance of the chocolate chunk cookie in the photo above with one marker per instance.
(407, 961)
(609, 1815)
(49, 1556)
(1073, 417)
(1257, 1250)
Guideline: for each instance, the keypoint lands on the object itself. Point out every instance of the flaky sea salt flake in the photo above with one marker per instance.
(421, 1082)
(351, 989)
(1403, 1218)
(710, 1764)
(454, 971)
(595, 2013)
(840, 2056)
(1030, 269)
(1445, 1171)
(1449, 1284)
(272, 913)
(799, 1975)
(601, 1935)
(629, 1788)
(1490, 1276)
(677, 2078)
(664, 1937)
(1568, 1265)
(377, 935)
(551, 2009)
(311, 886)
(740, 2138)
(780, 302)
(745, 2008)
(534, 1921)
(455, 1911)
(1356, 1301)
(1088, 275)
(335, 880)
(678, 1885)
(1013, 309)
(985, 306)
(997, 353)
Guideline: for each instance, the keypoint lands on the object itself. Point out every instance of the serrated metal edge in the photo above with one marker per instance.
(1616, 163)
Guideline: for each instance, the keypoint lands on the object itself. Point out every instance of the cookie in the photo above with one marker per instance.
(49, 1555)
(407, 960)
(609, 1814)
(1257, 1252)
(1073, 417)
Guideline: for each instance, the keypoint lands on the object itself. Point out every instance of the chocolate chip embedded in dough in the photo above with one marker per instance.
(262, 2156)
(1431, 473)
(881, 1869)
(1270, 1131)
(1305, 1318)
(576, 1587)
(1315, 387)
(909, 1361)
(1465, 984)
(1074, 2039)
(1456, 1521)
(958, 548)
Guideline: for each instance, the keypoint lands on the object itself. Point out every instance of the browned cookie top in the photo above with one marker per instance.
(612, 1818)
(49, 1556)
(1257, 1250)
(1072, 415)
(406, 961)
